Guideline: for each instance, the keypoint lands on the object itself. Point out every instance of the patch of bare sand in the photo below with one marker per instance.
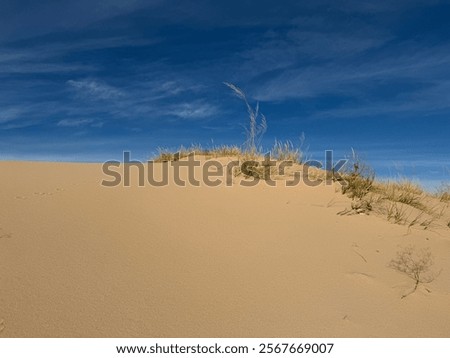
(81, 260)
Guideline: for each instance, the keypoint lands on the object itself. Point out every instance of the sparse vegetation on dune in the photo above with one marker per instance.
(281, 151)
(359, 178)
(288, 151)
(396, 212)
(404, 192)
(225, 151)
(401, 202)
(285, 151)
(443, 193)
(250, 151)
(165, 155)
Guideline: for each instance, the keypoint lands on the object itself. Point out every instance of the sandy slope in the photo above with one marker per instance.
(81, 260)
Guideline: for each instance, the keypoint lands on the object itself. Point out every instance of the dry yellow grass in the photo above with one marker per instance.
(402, 202)
(444, 193)
(165, 154)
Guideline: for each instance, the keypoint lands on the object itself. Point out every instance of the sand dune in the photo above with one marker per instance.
(81, 260)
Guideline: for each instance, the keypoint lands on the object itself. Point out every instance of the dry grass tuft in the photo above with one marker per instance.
(359, 178)
(397, 213)
(225, 151)
(286, 151)
(165, 155)
(403, 192)
(444, 193)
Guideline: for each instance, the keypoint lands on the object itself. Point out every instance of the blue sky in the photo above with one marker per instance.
(84, 80)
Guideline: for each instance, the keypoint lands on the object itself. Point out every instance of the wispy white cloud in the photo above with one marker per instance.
(193, 110)
(58, 48)
(45, 56)
(96, 89)
(10, 114)
(46, 17)
(43, 68)
(74, 122)
(422, 68)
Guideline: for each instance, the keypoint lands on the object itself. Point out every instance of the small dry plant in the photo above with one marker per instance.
(414, 264)
(257, 126)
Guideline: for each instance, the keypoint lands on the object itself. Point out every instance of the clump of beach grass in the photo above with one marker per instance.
(404, 192)
(359, 178)
(443, 193)
(287, 151)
